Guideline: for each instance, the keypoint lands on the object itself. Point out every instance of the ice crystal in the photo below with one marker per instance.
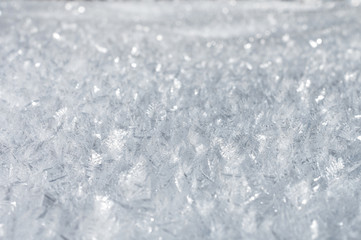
(180, 120)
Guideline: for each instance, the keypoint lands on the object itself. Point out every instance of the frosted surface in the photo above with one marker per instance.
(180, 120)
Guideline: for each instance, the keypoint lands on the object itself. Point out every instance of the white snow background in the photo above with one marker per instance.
(180, 120)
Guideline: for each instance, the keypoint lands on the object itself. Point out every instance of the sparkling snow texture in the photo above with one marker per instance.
(205, 120)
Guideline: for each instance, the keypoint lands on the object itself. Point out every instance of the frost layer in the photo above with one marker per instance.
(180, 120)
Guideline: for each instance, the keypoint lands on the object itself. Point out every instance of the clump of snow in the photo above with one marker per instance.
(180, 120)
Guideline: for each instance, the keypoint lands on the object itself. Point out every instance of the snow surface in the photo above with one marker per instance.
(180, 120)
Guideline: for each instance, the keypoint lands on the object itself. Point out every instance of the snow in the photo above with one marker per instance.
(180, 120)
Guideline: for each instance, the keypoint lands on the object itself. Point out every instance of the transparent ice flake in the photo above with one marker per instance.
(180, 120)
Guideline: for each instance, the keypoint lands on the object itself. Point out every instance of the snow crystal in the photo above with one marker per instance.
(180, 120)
